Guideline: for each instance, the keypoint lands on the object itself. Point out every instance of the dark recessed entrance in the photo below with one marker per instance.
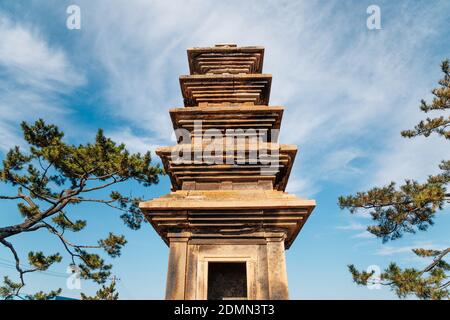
(227, 280)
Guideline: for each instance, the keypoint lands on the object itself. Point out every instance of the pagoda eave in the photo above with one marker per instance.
(228, 213)
(226, 58)
(216, 89)
(259, 117)
(207, 171)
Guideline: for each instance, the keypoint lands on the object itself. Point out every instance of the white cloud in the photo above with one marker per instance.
(31, 61)
(391, 250)
(133, 142)
(300, 186)
(352, 226)
(364, 235)
(338, 166)
(361, 229)
(342, 85)
(409, 159)
(33, 76)
(362, 214)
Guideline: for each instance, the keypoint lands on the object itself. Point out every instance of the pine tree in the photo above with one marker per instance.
(411, 207)
(104, 293)
(51, 177)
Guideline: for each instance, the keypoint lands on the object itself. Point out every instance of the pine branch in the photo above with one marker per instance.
(411, 207)
(18, 267)
(75, 170)
(436, 260)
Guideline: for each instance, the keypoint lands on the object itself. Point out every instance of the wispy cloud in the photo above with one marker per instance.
(348, 91)
(409, 159)
(352, 226)
(33, 76)
(361, 230)
(364, 235)
(301, 186)
(31, 61)
(133, 142)
(391, 250)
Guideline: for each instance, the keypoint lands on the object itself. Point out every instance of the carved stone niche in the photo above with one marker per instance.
(203, 269)
(227, 280)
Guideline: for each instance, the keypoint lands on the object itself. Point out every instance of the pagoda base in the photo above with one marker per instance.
(227, 244)
(192, 261)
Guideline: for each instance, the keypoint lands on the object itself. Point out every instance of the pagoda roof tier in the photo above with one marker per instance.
(224, 118)
(225, 59)
(228, 213)
(220, 89)
(274, 165)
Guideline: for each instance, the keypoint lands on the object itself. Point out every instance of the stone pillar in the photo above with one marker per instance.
(191, 272)
(176, 274)
(262, 282)
(278, 285)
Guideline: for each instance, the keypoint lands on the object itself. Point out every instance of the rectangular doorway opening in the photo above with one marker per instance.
(227, 280)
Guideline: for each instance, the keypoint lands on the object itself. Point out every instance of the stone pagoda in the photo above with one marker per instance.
(227, 219)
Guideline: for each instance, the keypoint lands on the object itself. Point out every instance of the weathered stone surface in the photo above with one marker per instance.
(226, 58)
(264, 260)
(225, 89)
(230, 212)
(227, 117)
(233, 166)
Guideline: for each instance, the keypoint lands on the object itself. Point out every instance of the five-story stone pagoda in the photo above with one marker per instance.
(227, 220)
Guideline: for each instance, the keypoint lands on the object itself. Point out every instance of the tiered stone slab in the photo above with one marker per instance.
(225, 59)
(228, 213)
(220, 89)
(226, 90)
(228, 175)
(205, 170)
(228, 117)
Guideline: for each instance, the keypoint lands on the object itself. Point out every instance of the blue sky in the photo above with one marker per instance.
(347, 91)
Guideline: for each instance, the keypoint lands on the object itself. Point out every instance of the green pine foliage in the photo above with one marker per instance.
(441, 102)
(44, 296)
(104, 293)
(9, 289)
(51, 177)
(411, 207)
